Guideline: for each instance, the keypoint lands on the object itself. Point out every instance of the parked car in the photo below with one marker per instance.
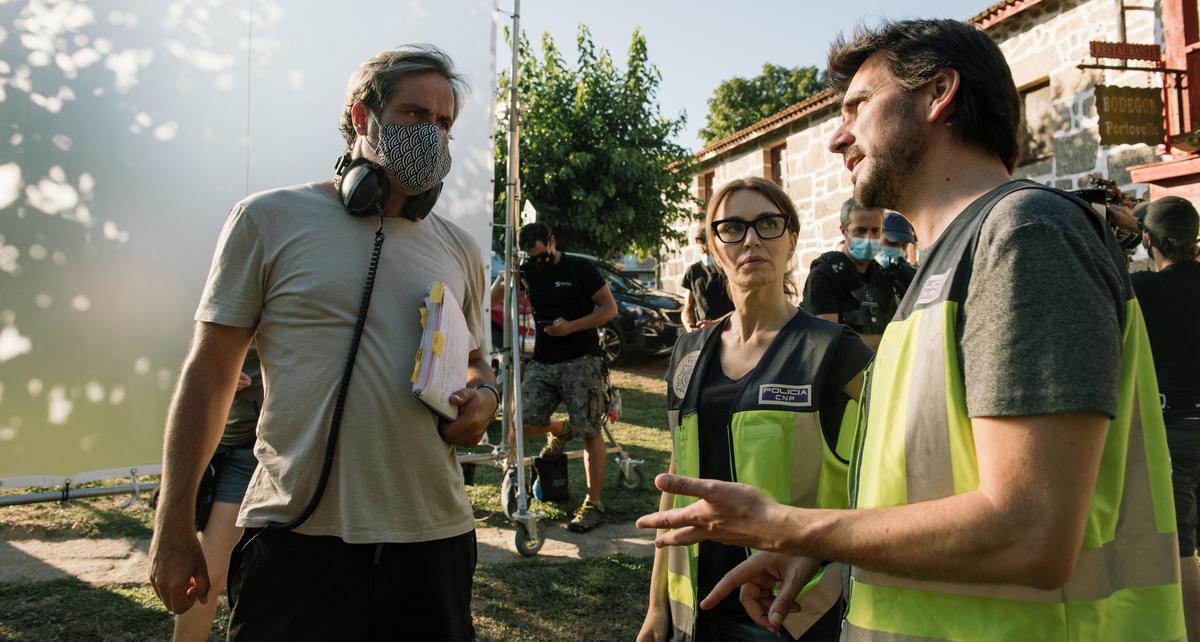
(648, 321)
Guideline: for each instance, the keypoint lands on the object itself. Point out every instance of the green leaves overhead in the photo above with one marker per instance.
(597, 160)
(738, 103)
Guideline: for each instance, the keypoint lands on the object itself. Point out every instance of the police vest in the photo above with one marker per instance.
(877, 297)
(776, 445)
(918, 445)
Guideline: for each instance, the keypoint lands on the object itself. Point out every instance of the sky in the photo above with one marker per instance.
(698, 43)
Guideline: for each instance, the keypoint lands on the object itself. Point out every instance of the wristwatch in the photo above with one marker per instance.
(488, 386)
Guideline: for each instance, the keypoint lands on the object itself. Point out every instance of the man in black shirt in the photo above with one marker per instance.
(706, 300)
(848, 286)
(1170, 300)
(570, 300)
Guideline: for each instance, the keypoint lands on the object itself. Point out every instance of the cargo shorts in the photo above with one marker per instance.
(579, 384)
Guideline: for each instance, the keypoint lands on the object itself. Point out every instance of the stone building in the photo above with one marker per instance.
(1045, 42)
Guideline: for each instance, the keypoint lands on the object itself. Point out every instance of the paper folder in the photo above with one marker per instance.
(441, 360)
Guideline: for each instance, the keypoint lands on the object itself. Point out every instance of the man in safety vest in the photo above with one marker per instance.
(1011, 477)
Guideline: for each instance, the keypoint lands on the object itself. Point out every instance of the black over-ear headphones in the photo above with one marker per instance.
(364, 188)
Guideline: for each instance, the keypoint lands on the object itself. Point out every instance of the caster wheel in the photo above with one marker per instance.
(634, 481)
(528, 546)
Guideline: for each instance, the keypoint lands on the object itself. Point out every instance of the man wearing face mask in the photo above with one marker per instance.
(849, 286)
(893, 255)
(570, 301)
(338, 560)
(1170, 300)
(706, 300)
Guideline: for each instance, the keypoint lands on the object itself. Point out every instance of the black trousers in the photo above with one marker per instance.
(288, 586)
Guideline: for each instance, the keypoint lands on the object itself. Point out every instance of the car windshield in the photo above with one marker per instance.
(618, 282)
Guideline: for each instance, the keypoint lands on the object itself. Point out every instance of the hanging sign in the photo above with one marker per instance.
(1124, 51)
(1129, 115)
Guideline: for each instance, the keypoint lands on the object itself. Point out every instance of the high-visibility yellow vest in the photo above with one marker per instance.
(776, 443)
(918, 445)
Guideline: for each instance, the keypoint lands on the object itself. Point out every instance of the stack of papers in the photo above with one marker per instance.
(446, 343)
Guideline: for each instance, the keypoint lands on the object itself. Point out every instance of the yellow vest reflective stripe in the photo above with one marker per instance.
(918, 445)
(780, 449)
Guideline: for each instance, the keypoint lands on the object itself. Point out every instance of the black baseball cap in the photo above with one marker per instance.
(897, 230)
(1169, 220)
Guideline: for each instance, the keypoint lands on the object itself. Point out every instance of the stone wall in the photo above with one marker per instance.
(1048, 43)
(1043, 43)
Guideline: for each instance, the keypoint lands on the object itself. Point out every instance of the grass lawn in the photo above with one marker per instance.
(593, 599)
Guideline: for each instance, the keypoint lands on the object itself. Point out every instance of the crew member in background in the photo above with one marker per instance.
(1170, 298)
(898, 251)
(570, 301)
(706, 299)
(847, 286)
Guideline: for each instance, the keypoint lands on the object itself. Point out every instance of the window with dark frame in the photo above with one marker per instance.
(706, 186)
(777, 159)
(1037, 127)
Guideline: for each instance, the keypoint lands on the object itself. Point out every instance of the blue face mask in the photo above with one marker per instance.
(708, 261)
(888, 255)
(864, 249)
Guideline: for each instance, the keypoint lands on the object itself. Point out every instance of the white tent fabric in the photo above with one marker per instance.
(128, 132)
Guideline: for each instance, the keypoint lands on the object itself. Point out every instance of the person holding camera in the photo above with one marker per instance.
(1170, 299)
(337, 528)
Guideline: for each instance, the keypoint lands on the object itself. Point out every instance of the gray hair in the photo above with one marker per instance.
(373, 83)
(849, 206)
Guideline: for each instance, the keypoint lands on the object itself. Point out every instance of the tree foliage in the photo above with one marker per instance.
(597, 159)
(738, 103)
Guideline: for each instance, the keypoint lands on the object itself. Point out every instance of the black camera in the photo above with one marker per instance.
(1116, 207)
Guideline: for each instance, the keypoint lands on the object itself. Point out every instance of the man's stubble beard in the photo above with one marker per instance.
(892, 167)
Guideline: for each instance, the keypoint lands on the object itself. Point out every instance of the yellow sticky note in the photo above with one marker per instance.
(438, 343)
(424, 316)
(417, 367)
(437, 292)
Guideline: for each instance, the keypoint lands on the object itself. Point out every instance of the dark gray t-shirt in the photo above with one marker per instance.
(1043, 321)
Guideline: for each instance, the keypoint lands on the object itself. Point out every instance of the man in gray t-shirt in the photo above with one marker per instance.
(1010, 474)
(370, 534)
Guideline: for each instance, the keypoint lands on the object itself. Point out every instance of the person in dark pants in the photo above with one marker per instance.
(706, 298)
(386, 549)
(1170, 298)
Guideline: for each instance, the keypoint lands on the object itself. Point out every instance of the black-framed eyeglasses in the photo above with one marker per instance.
(767, 227)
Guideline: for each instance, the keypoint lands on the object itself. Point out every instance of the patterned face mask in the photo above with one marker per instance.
(417, 155)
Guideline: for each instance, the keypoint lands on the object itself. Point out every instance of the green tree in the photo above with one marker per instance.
(738, 103)
(597, 158)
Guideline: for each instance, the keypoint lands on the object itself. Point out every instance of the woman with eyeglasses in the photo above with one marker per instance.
(764, 397)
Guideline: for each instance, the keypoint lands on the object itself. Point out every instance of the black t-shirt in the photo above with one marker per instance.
(717, 395)
(1170, 302)
(830, 290)
(707, 285)
(563, 289)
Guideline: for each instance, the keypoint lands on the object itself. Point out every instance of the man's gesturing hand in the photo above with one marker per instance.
(476, 408)
(178, 571)
(734, 514)
(758, 576)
